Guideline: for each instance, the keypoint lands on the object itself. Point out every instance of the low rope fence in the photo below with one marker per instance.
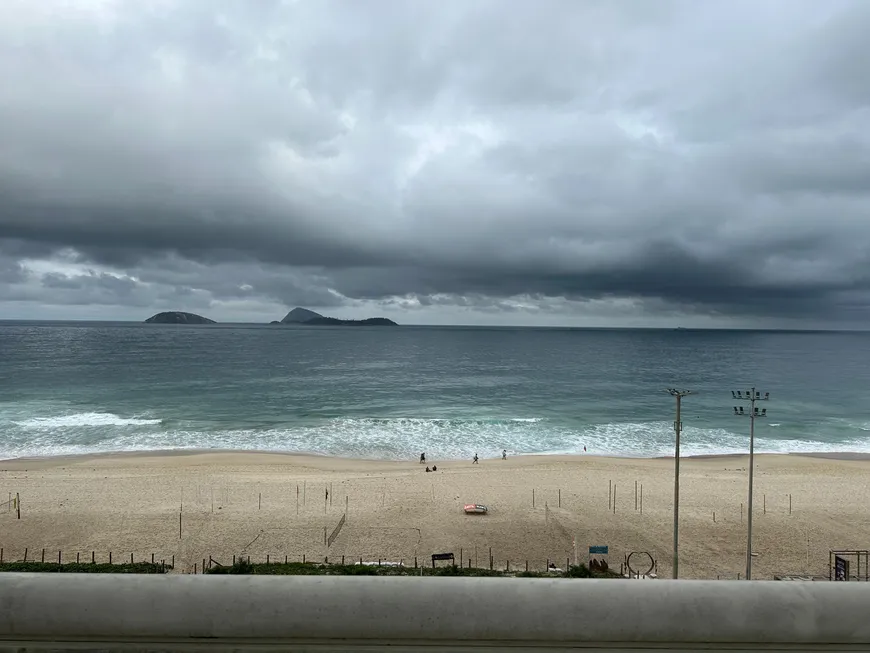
(83, 560)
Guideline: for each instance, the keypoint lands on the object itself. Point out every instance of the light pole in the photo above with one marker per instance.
(752, 396)
(678, 427)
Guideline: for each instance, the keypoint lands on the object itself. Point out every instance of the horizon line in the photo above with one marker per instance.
(460, 325)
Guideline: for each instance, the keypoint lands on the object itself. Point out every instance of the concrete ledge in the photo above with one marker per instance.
(126, 612)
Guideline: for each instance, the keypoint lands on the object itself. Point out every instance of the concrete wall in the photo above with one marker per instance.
(65, 612)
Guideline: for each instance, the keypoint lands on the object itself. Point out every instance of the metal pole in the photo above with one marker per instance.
(677, 491)
(678, 428)
(753, 398)
(751, 476)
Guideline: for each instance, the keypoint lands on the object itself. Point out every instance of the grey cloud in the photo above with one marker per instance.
(707, 156)
(11, 271)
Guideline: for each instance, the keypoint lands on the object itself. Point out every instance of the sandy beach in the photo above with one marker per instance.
(258, 504)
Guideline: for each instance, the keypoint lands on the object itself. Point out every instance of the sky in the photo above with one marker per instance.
(533, 162)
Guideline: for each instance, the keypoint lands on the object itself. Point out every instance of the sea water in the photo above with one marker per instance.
(393, 392)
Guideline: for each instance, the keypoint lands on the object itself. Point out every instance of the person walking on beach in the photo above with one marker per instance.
(504, 454)
(474, 461)
(422, 458)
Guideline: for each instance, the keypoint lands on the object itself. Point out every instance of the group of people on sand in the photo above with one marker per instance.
(474, 461)
(423, 460)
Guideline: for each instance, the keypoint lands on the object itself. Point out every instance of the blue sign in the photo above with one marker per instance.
(598, 550)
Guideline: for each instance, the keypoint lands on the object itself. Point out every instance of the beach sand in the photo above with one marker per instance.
(245, 504)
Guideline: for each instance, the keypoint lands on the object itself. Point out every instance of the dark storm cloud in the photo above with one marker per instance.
(711, 156)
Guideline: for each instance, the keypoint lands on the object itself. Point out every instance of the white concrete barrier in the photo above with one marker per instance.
(66, 612)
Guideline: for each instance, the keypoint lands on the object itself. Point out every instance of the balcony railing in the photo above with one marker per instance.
(66, 612)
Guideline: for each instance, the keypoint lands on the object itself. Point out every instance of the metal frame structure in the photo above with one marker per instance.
(855, 554)
(678, 428)
(752, 396)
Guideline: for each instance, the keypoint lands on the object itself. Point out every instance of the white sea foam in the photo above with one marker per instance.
(397, 438)
(78, 420)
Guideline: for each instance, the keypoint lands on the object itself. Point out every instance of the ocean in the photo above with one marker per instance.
(391, 393)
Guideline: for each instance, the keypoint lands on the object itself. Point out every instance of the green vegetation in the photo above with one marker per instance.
(315, 569)
(86, 568)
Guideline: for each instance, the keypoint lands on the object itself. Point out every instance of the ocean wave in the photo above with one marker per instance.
(79, 420)
(397, 438)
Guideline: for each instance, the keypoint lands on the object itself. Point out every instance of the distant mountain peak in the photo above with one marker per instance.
(299, 315)
(178, 317)
(303, 316)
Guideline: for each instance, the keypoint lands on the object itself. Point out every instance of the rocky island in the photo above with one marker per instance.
(178, 317)
(310, 318)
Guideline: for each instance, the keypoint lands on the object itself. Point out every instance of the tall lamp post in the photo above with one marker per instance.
(678, 427)
(752, 396)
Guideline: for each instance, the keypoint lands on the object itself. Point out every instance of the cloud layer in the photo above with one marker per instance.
(630, 161)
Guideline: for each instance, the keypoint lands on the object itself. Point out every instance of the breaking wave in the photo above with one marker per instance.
(396, 438)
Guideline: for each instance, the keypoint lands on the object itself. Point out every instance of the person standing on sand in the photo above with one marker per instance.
(474, 461)
(504, 454)
(422, 458)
